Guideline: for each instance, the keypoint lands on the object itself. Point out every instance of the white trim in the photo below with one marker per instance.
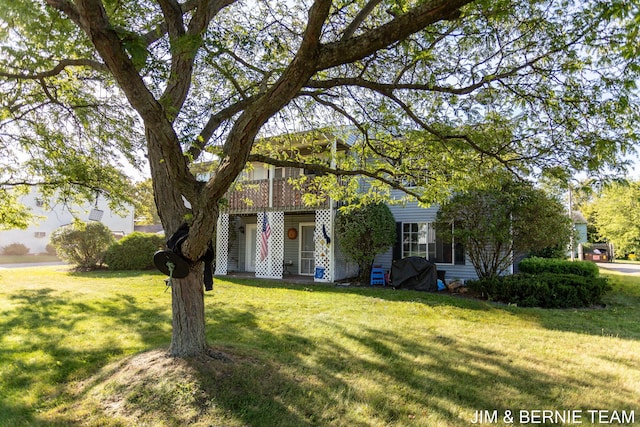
(250, 250)
(300, 225)
(429, 224)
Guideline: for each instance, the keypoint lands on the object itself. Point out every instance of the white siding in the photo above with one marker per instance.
(36, 237)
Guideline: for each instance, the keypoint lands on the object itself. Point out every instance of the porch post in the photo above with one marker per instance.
(324, 240)
(222, 245)
(270, 245)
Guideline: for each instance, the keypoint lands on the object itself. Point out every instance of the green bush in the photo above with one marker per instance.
(535, 265)
(546, 290)
(15, 249)
(82, 244)
(134, 251)
(365, 231)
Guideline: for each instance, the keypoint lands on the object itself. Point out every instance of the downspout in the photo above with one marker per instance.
(332, 210)
(271, 173)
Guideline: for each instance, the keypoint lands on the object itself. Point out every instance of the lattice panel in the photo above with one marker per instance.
(323, 241)
(222, 244)
(270, 245)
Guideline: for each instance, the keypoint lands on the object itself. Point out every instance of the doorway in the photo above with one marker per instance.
(251, 238)
(307, 249)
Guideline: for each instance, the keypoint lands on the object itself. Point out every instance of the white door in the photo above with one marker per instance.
(251, 237)
(307, 249)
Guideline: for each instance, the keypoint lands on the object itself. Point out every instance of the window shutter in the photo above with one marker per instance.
(397, 248)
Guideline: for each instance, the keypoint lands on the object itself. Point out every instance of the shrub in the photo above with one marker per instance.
(547, 290)
(365, 231)
(134, 251)
(493, 223)
(15, 249)
(82, 244)
(50, 249)
(535, 265)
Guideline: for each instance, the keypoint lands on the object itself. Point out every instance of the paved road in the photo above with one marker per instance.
(630, 269)
(30, 264)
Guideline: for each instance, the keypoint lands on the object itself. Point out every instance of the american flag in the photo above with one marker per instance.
(264, 241)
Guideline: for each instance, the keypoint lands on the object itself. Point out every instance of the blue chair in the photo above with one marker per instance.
(377, 276)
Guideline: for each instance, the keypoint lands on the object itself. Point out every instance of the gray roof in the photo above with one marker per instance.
(578, 218)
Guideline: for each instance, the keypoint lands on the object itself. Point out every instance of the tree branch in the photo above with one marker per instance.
(245, 129)
(386, 87)
(214, 123)
(57, 69)
(377, 174)
(95, 23)
(355, 48)
(68, 8)
(360, 17)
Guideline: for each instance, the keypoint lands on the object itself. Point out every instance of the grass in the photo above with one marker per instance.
(75, 350)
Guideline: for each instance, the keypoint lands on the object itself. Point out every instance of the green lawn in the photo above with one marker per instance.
(72, 353)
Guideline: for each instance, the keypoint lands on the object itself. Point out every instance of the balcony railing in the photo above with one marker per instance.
(253, 196)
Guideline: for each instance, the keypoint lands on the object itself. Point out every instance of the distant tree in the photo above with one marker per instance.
(615, 215)
(495, 223)
(145, 206)
(82, 244)
(366, 231)
(15, 249)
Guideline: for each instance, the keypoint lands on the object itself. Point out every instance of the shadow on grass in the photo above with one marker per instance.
(440, 378)
(615, 319)
(110, 274)
(371, 377)
(387, 293)
(36, 350)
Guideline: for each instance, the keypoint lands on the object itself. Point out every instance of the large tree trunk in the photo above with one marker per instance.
(187, 296)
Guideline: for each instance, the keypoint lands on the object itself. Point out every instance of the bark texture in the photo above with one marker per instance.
(187, 303)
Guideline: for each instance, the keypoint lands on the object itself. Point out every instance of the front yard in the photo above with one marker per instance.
(76, 350)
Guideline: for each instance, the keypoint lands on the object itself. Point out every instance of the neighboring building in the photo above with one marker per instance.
(580, 238)
(266, 229)
(36, 236)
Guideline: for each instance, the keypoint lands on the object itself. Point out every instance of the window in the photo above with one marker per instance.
(40, 234)
(286, 172)
(39, 203)
(420, 239)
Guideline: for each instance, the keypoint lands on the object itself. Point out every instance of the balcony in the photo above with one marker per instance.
(254, 196)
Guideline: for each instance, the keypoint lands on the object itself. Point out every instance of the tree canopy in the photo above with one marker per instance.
(496, 224)
(426, 85)
(614, 212)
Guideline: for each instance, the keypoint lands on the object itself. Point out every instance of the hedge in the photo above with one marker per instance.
(535, 265)
(134, 251)
(546, 290)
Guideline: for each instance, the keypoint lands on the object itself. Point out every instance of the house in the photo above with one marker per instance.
(416, 236)
(267, 229)
(47, 220)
